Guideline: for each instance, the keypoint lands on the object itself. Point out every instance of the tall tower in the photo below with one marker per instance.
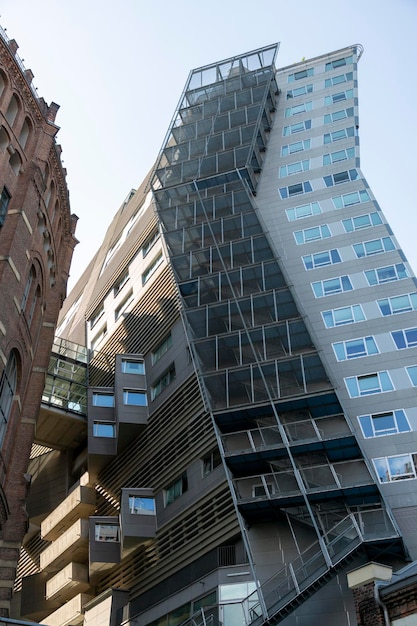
(245, 433)
(36, 245)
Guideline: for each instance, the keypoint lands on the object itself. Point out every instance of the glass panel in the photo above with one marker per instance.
(141, 505)
(134, 398)
(103, 399)
(133, 367)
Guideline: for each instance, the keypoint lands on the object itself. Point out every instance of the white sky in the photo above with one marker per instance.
(117, 71)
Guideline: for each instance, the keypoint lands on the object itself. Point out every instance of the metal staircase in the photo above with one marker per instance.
(307, 573)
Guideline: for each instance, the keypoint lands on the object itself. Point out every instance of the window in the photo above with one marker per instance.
(311, 234)
(294, 168)
(405, 338)
(412, 372)
(294, 190)
(337, 80)
(100, 335)
(305, 210)
(29, 282)
(386, 274)
(398, 304)
(368, 384)
(12, 110)
(132, 366)
(24, 133)
(104, 429)
(328, 257)
(15, 163)
(337, 135)
(4, 204)
(149, 243)
(343, 315)
(110, 254)
(381, 424)
(103, 399)
(338, 97)
(8, 383)
(107, 532)
(298, 108)
(96, 315)
(123, 305)
(392, 468)
(349, 199)
(297, 146)
(163, 382)
(375, 246)
(361, 221)
(331, 286)
(296, 128)
(355, 348)
(300, 91)
(163, 347)
(151, 269)
(175, 490)
(210, 462)
(340, 177)
(340, 155)
(332, 65)
(141, 505)
(133, 397)
(336, 116)
(120, 283)
(300, 75)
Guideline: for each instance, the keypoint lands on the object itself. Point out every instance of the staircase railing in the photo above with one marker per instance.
(306, 570)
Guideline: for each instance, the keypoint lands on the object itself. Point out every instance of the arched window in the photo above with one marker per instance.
(12, 110)
(31, 279)
(15, 163)
(49, 193)
(4, 204)
(8, 383)
(2, 83)
(34, 304)
(4, 139)
(24, 133)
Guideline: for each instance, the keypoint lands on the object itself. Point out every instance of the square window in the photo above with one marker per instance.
(104, 429)
(132, 397)
(103, 399)
(107, 532)
(141, 505)
(131, 366)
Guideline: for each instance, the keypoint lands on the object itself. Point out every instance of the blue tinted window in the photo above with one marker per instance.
(398, 304)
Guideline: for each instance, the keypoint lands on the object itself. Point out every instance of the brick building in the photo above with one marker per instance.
(36, 245)
(384, 598)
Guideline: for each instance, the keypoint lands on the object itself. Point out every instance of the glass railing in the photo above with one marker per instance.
(66, 380)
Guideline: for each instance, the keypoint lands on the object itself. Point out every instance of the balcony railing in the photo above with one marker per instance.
(302, 431)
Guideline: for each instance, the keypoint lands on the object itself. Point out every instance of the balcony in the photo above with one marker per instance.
(71, 613)
(71, 580)
(80, 503)
(349, 480)
(71, 546)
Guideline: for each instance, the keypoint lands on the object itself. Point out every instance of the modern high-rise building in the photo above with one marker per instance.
(228, 422)
(36, 245)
